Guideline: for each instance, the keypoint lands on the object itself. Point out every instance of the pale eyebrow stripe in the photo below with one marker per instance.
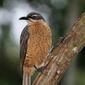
(34, 15)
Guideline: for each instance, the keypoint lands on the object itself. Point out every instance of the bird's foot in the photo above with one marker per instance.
(40, 69)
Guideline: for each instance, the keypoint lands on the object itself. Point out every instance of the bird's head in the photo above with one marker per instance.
(32, 17)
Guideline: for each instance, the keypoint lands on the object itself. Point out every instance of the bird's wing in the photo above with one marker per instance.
(23, 44)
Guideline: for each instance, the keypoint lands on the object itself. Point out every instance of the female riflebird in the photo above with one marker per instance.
(35, 42)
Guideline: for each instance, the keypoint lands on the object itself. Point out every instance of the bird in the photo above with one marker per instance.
(35, 43)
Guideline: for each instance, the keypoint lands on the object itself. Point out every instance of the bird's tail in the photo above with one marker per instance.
(26, 79)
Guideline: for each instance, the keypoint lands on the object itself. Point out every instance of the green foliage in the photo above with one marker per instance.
(1, 3)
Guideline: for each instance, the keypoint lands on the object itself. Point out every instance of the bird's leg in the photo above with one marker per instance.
(40, 69)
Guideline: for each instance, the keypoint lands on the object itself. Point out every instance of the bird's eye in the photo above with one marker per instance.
(34, 17)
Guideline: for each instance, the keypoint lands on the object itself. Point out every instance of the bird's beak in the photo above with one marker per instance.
(23, 18)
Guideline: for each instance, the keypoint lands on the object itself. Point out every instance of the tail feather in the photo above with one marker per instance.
(26, 79)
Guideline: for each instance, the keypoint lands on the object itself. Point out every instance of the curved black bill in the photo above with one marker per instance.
(23, 18)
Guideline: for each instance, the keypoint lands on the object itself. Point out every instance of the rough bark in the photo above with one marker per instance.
(61, 56)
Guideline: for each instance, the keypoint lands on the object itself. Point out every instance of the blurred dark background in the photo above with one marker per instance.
(60, 14)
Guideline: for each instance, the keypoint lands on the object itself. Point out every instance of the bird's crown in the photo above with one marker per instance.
(33, 16)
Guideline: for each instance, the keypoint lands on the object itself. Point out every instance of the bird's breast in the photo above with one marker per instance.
(39, 43)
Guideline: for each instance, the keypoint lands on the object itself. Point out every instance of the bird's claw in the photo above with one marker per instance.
(40, 69)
